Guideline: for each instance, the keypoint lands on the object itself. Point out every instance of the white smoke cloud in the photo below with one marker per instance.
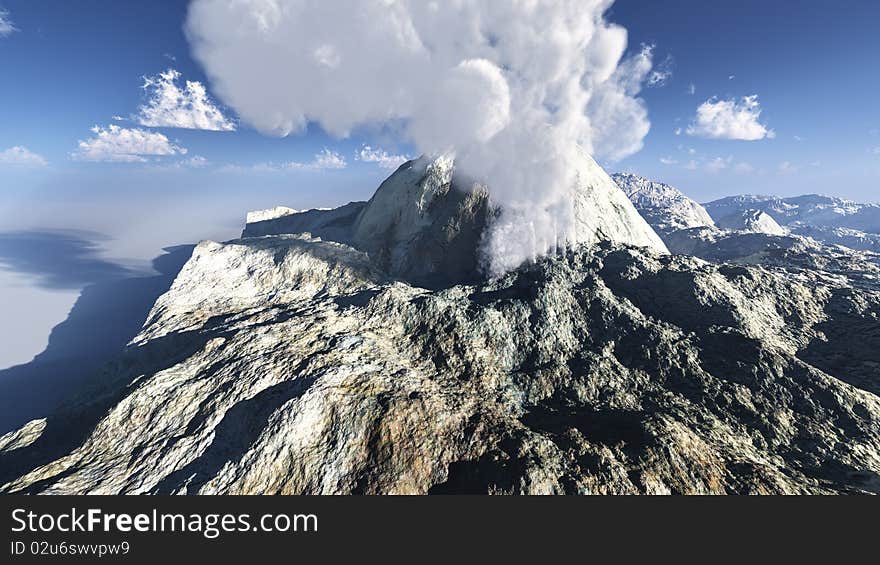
(511, 88)
(173, 106)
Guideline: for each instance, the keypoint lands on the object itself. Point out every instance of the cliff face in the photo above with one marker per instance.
(292, 363)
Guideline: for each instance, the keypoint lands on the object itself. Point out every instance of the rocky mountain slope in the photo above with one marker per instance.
(750, 235)
(290, 363)
(751, 221)
(831, 220)
(664, 207)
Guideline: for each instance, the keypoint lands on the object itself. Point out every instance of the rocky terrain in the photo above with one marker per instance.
(323, 352)
(750, 221)
(834, 221)
(664, 207)
(749, 235)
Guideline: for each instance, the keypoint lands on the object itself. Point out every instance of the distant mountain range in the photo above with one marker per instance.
(825, 219)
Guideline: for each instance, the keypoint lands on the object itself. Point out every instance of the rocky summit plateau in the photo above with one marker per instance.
(360, 350)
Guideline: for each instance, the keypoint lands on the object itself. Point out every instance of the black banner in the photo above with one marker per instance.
(413, 529)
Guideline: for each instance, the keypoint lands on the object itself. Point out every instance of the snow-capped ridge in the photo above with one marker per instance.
(752, 221)
(664, 207)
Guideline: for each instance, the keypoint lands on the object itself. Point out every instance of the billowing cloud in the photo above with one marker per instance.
(125, 145)
(668, 161)
(22, 157)
(174, 106)
(381, 157)
(730, 119)
(6, 26)
(511, 88)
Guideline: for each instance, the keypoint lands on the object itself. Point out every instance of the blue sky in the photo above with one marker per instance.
(71, 65)
(812, 64)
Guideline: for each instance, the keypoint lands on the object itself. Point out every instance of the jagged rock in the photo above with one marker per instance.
(333, 224)
(426, 223)
(664, 207)
(269, 214)
(854, 239)
(810, 209)
(751, 221)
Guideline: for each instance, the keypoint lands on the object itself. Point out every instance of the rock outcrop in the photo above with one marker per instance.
(664, 207)
(751, 221)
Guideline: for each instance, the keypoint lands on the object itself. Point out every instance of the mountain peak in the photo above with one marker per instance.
(664, 207)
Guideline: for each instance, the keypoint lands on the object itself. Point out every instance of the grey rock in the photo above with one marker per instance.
(751, 221)
(664, 207)
(811, 209)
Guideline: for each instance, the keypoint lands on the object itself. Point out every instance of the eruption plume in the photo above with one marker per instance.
(511, 88)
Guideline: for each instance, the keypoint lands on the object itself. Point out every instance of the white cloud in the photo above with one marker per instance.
(661, 74)
(786, 167)
(22, 156)
(668, 161)
(691, 165)
(195, 162)
(730, 119)
(173, 106)
(677, 131)
(718, 164)
(323, 161)
(876, 150)
(6, 26)
(731, 77)
(798, 138)
(743, 168)
(381, 157)
(692, 89)
(125, 145)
